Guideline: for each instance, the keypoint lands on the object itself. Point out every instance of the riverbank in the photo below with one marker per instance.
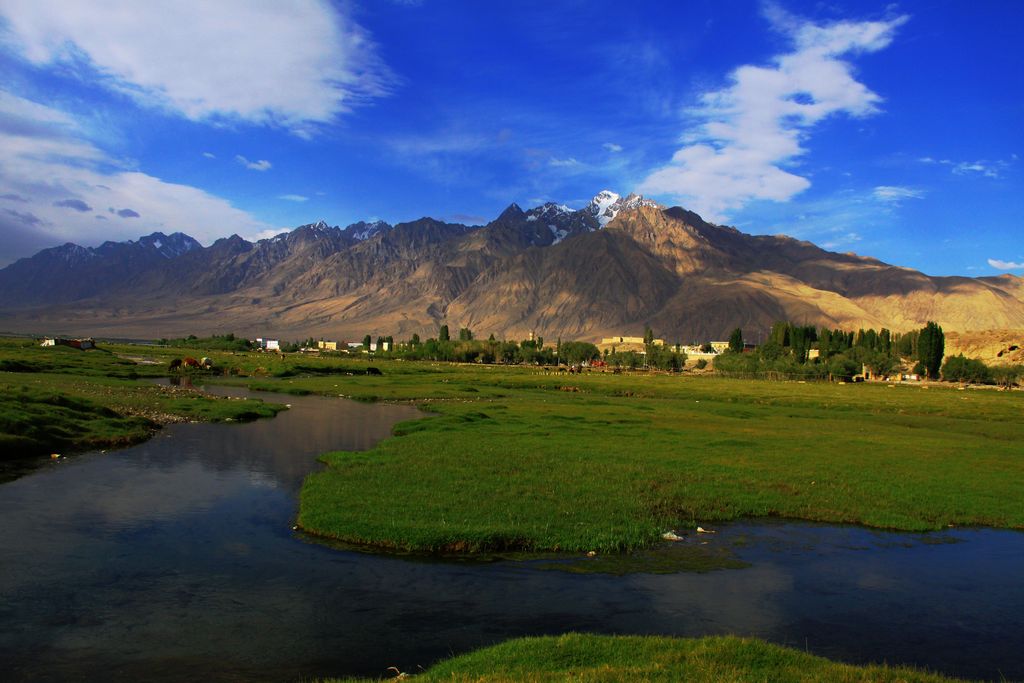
(649, 658)
(215, 503)
(520, 460)
(62, 400)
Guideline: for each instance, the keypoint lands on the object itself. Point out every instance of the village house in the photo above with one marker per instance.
(697, 350)
(631, 340)
(86, 343)
(624, 344)
(267, 344)
(327, 345)
(358, 346)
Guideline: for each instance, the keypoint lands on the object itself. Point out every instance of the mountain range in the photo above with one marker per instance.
(610, 268)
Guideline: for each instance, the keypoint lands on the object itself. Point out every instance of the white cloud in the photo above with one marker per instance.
(844, 240)
(895, 193)
(261, 165)
(294, 64)
(268, 233)
(209, 155)
(612, 147)
(983, 167)
(1005, 265)
(50, 166)
(443, 143)
(746, 132)
(563, 163)
(293, 197)
(838, 221)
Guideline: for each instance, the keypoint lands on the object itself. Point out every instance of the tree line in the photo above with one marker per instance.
(840, 354)
(791, 351)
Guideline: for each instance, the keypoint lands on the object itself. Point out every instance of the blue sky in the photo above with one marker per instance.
(892, 130)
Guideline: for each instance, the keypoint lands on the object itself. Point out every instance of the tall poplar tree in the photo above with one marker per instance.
(931, 346)
(736, 341)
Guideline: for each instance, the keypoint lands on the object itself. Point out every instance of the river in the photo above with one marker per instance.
(176, 559)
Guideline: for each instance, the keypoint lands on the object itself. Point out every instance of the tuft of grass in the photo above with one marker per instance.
(583, 657)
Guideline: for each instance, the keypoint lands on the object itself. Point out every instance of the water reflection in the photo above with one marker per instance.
(175, 559)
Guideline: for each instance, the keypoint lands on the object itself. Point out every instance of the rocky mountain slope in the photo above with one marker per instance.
(610, 268)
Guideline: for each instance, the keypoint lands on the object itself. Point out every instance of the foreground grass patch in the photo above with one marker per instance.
(42, 412)
(61, 400)
(634, 658)
(34, 422)
(523, 464)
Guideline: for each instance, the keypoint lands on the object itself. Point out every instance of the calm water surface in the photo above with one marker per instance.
(176, 559)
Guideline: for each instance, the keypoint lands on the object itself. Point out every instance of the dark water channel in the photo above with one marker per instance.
(175, 560)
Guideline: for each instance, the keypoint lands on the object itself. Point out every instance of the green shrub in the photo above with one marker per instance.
(961, 369)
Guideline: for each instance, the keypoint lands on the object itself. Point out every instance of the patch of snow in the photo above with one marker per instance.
(635, 200)
(606, 205)
(549, 211)
(369, 231)
(557, 233)
(601, 206)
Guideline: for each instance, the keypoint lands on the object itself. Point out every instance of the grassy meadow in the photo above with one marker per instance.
(59, 400)
(519, 458)
(580, 657)
(523, 459)
(516, 459)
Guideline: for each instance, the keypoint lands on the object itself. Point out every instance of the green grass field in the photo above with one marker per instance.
(520, 459)
(514, 459)
(580, 657)
(60, 400)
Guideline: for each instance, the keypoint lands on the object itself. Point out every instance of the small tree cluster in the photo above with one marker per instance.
(960, 369)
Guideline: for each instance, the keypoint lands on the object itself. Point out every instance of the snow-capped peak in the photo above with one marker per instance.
(549, 211)
(601, 206)
(605, 206)
(314, 231)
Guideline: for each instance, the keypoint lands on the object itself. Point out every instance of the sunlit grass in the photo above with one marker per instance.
(580, 657)
(513, 461)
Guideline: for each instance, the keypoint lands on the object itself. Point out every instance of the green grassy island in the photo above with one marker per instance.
(517, 459)
(579, 657)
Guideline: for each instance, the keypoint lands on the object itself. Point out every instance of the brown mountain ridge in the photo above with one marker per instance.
(604, 270)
